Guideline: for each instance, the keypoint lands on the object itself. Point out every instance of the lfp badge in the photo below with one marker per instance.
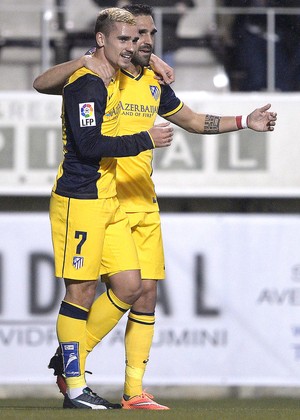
(87, 114)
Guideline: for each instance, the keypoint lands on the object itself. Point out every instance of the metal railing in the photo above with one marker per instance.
(270, 13)
(49, 39)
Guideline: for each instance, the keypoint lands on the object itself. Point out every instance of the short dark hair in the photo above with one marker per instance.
(139, 9)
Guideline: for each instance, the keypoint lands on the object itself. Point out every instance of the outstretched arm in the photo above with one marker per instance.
(53, 80)
(258, 120)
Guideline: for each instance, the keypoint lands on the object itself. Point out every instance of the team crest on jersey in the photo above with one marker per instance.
(154, 92)
(87, 114)
(78, 262)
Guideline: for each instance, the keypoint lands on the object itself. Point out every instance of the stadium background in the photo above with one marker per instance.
(230, 209)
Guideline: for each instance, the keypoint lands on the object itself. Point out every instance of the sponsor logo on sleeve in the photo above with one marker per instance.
(87, 114)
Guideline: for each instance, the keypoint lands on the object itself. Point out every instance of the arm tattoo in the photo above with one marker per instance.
(211, 125)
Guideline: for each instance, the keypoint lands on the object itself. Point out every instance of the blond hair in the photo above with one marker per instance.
(108, 17)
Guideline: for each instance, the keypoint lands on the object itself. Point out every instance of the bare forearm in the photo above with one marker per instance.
(215, 124)
(197, 123)
(203, 123)
(258, 120)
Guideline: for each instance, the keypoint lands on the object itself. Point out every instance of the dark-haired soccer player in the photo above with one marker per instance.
(141, 91)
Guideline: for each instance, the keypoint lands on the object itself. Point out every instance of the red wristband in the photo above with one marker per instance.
(241, 121)
(238, 121)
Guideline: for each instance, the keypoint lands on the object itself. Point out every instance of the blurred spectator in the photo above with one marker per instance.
(249, 37)
(170, 22)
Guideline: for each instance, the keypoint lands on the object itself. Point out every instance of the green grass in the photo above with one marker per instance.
(212, 409)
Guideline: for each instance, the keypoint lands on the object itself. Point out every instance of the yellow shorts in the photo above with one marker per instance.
(83, 231)
(147, 236)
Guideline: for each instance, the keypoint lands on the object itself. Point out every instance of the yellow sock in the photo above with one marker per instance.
(71, 332)
(138, 341)
(104, 315)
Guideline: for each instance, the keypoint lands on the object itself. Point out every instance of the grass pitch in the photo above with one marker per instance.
(212, 409)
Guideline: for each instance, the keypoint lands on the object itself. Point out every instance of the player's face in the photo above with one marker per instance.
(146, 31)
(120, 44)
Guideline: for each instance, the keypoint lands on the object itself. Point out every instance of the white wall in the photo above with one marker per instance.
(243, 163)
(227, 314)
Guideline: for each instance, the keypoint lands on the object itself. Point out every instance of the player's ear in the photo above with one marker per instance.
(100, 39)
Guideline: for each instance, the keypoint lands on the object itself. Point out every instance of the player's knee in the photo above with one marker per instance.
(80, 292)
(145, 303)
(127, 286)
(133, 293)
(130, 293)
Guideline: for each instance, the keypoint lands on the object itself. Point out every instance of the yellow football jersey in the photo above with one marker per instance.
(142, 99)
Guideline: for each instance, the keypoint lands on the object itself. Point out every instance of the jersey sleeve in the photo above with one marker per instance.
(85, 103)
(169, 103)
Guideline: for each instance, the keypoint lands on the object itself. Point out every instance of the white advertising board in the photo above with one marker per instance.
(227, 314)
(243, 163)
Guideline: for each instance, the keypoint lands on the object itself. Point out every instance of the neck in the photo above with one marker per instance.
(134, 70)
(99, 53)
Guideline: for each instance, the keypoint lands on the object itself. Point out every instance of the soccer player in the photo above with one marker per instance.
(85, 215)
(141, 91)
